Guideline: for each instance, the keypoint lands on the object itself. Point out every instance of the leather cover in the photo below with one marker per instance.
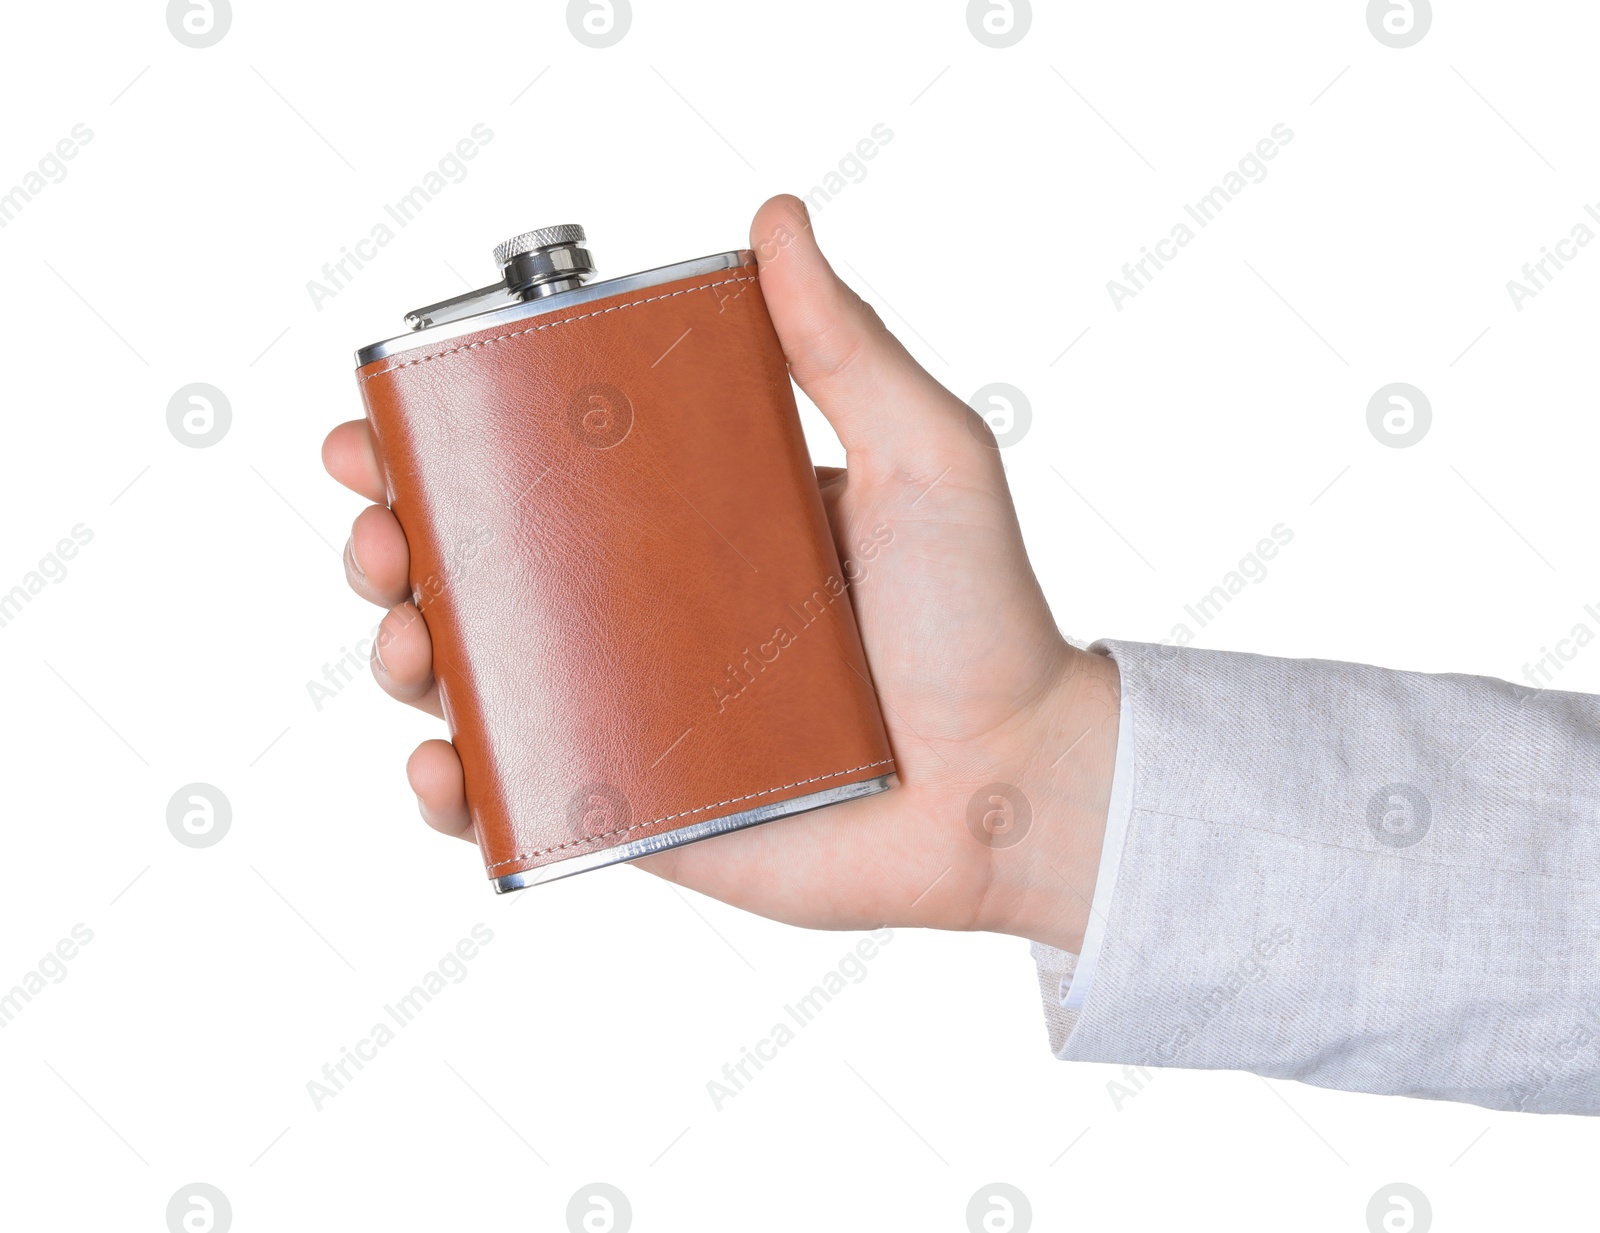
(638, 614)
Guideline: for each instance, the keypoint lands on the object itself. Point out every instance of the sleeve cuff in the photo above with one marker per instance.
(1269, 916)
(1064, 978)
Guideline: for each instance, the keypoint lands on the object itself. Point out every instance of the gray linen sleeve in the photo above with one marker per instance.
(1363, 879)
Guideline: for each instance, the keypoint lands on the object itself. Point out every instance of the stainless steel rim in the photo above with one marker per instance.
(522, 310)
(688, 834)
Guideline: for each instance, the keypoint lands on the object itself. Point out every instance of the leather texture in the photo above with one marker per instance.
(638, 613)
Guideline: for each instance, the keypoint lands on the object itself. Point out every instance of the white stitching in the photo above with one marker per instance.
(550, 325)
(732, 800)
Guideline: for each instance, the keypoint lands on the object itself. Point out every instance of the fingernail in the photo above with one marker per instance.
(350, 557)
(377, 654)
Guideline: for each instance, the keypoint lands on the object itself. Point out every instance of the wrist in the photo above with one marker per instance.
(1042, 885)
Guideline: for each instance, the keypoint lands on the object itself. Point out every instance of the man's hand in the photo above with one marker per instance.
(977, 685)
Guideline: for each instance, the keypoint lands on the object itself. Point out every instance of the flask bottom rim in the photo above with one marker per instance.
(706, 829)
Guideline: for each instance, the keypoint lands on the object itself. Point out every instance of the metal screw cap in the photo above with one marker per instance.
(543, 237)
(543, 262)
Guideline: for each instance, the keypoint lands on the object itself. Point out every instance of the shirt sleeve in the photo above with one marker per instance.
(1362, 879)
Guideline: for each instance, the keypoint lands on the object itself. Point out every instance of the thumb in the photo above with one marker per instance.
(882, 403)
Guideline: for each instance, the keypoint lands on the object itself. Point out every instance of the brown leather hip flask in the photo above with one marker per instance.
(642, 633)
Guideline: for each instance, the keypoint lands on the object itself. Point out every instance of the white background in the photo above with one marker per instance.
(1169, 439)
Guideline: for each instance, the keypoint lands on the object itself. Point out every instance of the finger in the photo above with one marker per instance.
(880, 401)
(377, 560)
(831, 483)
(402, 659)
(348, 455)
(434, 770)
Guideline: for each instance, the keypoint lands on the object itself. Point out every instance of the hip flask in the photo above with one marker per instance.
(642, 633)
